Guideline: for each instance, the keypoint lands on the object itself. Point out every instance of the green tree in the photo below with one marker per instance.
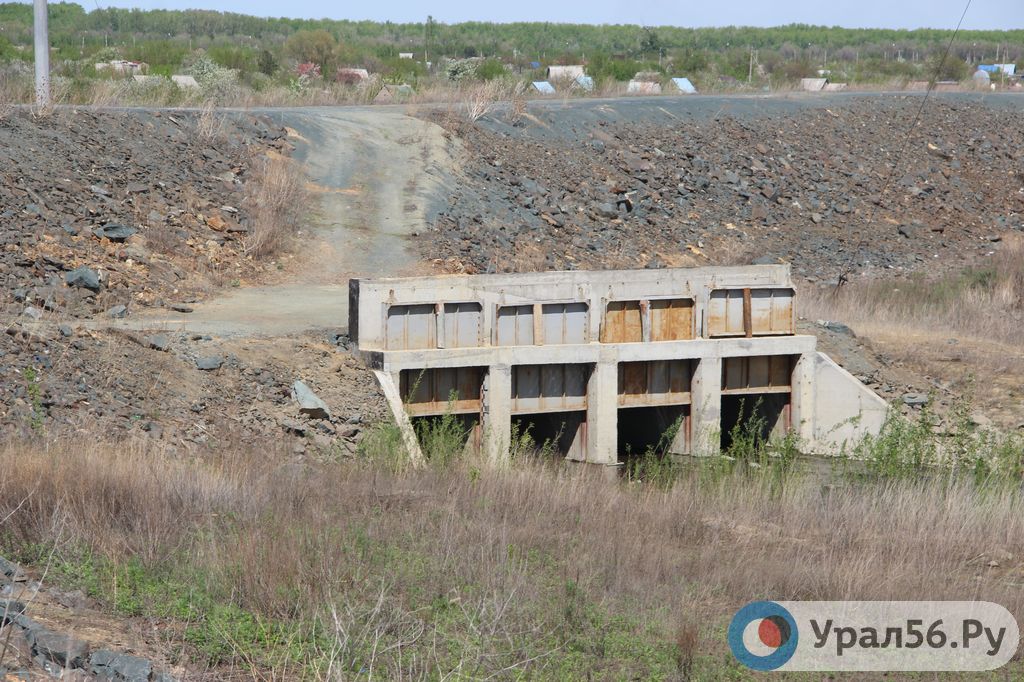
(267, 63)
(950, 68)
(316, 46)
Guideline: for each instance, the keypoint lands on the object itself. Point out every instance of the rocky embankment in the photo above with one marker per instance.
(106, 213)
(810, 185)
(33, 649)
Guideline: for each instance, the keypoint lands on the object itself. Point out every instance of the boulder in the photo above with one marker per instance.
(159, 342)
(209, 363)
(915, 399)
(9, 608)
(83, 277)
(64, 650)
(309, 404)
(115, 232)
(115, 667)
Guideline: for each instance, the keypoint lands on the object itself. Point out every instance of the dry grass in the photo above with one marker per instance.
(210, 125)
(275, 201)
(986, 303)
(438, 571)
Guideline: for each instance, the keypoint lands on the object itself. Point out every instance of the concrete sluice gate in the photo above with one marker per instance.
(602, 364)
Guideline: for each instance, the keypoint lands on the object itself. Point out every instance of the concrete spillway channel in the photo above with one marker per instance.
(603, 363)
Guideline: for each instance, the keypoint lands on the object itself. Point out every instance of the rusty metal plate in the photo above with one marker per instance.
(659, 382)
(725, 313)
(622, 323)
(442, 390)
(757, 374)
(672, 319)
(549, 388)
(771, 311)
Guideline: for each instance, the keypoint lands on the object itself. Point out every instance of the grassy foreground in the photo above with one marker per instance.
(455, 571)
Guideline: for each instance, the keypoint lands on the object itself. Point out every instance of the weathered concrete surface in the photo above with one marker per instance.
(844, 408)
(558, 345)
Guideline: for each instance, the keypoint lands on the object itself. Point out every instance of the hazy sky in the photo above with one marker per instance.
(991, 14)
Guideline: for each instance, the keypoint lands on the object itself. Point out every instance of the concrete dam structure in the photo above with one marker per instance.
(601, 364)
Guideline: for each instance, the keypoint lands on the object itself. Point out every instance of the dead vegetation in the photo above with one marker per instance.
(276, 201)
(985, 302)
(550, 573)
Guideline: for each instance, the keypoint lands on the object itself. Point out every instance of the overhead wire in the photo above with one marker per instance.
(851, 264)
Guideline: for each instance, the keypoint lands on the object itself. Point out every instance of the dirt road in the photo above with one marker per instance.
(376, 177)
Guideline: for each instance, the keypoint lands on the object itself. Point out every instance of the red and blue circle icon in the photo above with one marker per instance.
(763, 635)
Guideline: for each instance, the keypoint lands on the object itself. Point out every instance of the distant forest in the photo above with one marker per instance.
(168, 39)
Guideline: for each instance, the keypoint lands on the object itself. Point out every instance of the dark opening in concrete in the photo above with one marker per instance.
(761, 414)
(660, 429)
(551, 433)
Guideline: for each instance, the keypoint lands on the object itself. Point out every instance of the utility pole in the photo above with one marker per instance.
(42, 48)
(750, 71)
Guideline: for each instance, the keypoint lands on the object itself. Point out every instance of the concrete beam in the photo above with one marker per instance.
(592, 352)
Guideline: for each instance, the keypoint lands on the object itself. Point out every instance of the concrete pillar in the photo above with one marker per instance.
(706, 407)
(802, 399)
(603, 413)
(389, 384)
(497, 414)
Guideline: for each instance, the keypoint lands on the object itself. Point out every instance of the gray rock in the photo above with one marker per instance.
(915, 399)
(180, 308)
(209, 363)
(66, 330)
(118, 311)
(839, 328)
(62, 649)
(159, 342)
(34, 313)
(115, 667)
(606, 210)
(115, 232)
(816, 218)
(906, 231)
(766, 260)
(309, 404)
(83, 277)
(9, 608)
(9, 569)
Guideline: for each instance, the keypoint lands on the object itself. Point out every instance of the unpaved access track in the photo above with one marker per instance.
(376, 177)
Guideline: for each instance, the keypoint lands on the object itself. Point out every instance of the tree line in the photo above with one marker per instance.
(166, 38)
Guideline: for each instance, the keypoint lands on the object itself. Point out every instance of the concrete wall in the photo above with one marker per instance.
(844, 408)
(583, 326)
